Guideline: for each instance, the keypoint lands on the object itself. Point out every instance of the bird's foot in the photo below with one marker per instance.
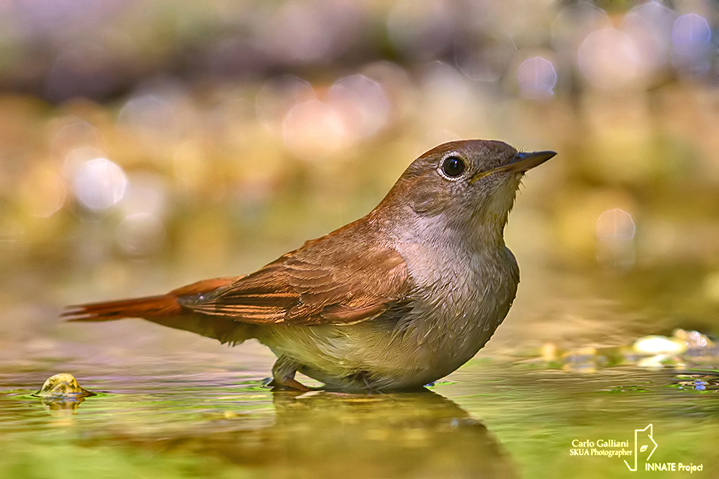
(283, 375)
(288, 384)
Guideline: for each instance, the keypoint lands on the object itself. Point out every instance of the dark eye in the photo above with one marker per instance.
(453, 166)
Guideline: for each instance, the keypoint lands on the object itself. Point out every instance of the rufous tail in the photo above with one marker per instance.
(167, 310)
(148, 308)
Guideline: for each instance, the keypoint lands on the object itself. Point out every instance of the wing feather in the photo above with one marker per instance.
(312, 286)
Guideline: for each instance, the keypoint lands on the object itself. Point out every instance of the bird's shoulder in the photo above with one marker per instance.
(341, 278)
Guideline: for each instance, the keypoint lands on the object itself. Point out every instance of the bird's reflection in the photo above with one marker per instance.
(418, 434)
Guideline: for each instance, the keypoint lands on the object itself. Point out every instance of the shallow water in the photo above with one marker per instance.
(172, 404)
(177, 417)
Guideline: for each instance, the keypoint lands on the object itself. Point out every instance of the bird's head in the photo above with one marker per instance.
(471, 183)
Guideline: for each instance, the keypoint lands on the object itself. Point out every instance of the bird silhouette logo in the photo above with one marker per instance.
(644, 445)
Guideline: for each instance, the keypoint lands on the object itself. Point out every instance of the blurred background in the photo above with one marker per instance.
(145, 145)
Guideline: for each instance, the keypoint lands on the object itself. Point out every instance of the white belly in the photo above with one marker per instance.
(450, 320)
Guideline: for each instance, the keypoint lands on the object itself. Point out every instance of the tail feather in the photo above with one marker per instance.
(147, 308)
(166, 310)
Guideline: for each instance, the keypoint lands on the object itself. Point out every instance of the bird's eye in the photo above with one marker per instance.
(453, 166)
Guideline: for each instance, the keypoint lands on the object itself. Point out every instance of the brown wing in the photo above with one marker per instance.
(334, 284)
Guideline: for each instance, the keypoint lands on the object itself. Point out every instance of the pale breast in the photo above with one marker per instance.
(448, 320)
(461, 304)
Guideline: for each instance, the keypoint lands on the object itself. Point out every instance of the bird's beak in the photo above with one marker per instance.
(520, 163)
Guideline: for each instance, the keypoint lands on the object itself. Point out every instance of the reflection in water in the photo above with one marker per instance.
(418, 434)
(344, 435)
(62, 407)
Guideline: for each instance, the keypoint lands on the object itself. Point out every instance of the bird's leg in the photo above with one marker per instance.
(283, 374)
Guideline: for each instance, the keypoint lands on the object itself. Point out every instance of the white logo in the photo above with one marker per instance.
(641, 445)
(644, 447)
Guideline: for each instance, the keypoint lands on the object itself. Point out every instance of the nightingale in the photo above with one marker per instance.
(392, 301)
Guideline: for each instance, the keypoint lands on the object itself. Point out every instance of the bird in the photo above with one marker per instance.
(392, 301)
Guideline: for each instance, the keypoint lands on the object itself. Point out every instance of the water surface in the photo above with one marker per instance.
(179, 417)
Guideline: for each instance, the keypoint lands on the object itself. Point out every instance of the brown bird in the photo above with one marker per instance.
(395, 300)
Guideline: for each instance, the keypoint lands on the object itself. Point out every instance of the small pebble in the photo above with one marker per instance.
(580, 360)
(693, 339)
(659, 345)
(62, 385)
(549, 352)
